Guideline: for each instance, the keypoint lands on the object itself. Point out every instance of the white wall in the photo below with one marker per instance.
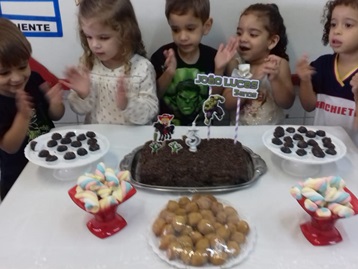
(302, 20)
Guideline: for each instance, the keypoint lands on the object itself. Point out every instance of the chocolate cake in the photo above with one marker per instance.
(217, 162)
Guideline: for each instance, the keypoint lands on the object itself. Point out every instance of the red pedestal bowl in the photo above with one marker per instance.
(321, 231)
(105, 222)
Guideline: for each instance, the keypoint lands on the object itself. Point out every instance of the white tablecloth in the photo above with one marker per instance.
(40, 226)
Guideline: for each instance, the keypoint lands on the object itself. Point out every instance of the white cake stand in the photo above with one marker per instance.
(307, 165)
(67, 170)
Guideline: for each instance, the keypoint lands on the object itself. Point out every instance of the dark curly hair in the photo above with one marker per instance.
(327, 15)
(275, 25)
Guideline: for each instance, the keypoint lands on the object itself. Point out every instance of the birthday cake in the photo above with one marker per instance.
(217, 162)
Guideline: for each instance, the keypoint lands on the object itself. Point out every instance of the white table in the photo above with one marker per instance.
(40, 227)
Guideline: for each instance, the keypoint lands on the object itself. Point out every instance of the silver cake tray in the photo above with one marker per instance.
(130, 162)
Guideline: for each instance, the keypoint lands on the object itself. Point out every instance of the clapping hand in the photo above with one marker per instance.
(354, 84)
(170, 64)
(24, 104)
(77, 79)
(270, 67)
(303, 69)
(226, 53)
(121, 98)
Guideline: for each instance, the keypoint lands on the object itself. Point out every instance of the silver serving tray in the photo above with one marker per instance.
(130, 161)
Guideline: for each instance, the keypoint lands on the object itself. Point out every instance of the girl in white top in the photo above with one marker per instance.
(115, 83)
(262, 44)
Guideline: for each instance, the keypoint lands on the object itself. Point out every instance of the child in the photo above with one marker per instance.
(27, 106)
(116, 85)
(262, 41)
(177, 64)
(329, 84)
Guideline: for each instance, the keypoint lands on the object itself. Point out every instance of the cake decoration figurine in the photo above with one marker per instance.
(325, 199)
(212, 108)
(193, 140)
(175, 146)
(164, 126)
(100, 193)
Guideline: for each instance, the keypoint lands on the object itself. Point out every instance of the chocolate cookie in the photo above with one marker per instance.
(286, 150)
(69, 155)
(302, 129)
(66, 141)
(290, 130)
(51, 158)
(276, 141)
(82, 152)
(76, 144)
(62, 148)
(81, 137)
(94, 147)
(44, 153)
(52, 143)
(70, 134)
(90, 134)
(301, 152)
(56, 136)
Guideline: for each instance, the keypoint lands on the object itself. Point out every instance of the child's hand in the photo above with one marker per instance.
(271, 67)
(121, 98)
(354, 84)
(55, 94)
(226, 53)
(303, 69)
(170, 64)
(24, 104)
(77, 79)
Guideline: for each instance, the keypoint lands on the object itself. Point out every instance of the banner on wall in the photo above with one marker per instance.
(35, 18)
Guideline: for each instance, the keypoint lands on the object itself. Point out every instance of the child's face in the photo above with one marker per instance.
(343, 34)
(255, 42)
(102, 41)
(187, 31)
(14, 79)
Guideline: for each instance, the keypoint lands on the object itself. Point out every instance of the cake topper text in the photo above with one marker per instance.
(241, 87)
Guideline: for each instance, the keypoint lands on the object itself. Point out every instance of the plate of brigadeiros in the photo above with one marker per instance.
(201, 231)
(304, 144)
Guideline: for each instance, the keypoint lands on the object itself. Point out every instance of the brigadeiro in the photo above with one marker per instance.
(76, 144)
(276, 141)
(302, 144)
(52, 143)
(91, 141)
(279, 131)
(302, 129)
(297, 137)
(318, 152)
(56, 136)
(69, 155)
(70, 134)
(311, 134)
(51, 158)
(44, 153)
(290, 130)
(321, 133)
(81, 137)
(331, 151)
(61, 148)
(82, 152)
(312, 142)
(288, 139)
(66, 140)
(93, 147)
(90, 134)
(286, 150)
(33, 145)
(288, 144)
(301, 152)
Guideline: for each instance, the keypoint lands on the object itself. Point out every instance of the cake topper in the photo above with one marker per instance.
(212, 108)
(164, 126)
(175, 146)
(193, 139)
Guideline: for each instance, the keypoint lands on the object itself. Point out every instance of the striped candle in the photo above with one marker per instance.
(237, 119)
